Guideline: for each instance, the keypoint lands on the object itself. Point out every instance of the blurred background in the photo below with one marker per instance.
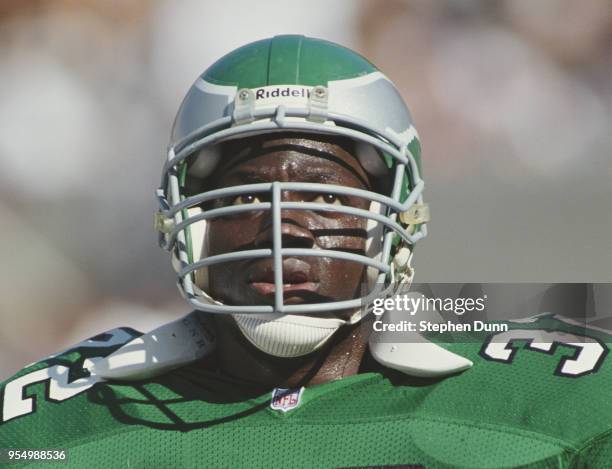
(512, 100)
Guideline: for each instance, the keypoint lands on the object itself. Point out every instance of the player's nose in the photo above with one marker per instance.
(292, 235)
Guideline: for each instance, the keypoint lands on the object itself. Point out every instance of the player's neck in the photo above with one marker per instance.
(341, 357)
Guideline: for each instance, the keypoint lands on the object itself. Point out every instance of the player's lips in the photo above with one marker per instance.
(265, 288)
(296, 277)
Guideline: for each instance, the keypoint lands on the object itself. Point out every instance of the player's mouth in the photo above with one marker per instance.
(265, 288)
(296, 278)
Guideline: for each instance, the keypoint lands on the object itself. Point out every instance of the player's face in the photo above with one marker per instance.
(306, 279)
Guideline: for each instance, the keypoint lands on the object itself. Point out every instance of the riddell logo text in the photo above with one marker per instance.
(265, 93)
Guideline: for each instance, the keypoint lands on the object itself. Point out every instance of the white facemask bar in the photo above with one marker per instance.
(173, 221)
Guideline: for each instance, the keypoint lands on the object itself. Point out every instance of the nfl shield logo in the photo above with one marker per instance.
(286, 399)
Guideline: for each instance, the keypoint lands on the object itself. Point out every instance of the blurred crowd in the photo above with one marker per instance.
(512, 100)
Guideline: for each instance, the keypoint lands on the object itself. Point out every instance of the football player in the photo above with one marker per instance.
(290, 198)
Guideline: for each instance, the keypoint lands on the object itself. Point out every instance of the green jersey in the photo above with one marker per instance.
(538, 395)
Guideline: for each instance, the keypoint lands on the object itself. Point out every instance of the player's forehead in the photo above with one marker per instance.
(305, 153)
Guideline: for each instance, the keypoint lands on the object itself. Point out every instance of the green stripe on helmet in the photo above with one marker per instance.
(415, 148)
(287, 60)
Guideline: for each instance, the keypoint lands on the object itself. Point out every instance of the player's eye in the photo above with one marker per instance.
(328, 199)
(246, 199)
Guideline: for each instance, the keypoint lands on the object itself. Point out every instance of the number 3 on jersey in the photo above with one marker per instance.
(589, 353)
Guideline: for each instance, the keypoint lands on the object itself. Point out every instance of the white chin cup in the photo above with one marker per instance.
(287, 335)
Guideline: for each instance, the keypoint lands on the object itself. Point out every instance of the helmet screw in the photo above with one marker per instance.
(243, 95)
(320, 91)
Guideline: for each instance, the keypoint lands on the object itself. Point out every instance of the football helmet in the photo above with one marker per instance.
(293, 84)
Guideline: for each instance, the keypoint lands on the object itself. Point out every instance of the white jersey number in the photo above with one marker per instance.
(588, 356)
(16, 403)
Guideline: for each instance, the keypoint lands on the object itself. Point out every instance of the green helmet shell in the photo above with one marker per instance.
(287, 60)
